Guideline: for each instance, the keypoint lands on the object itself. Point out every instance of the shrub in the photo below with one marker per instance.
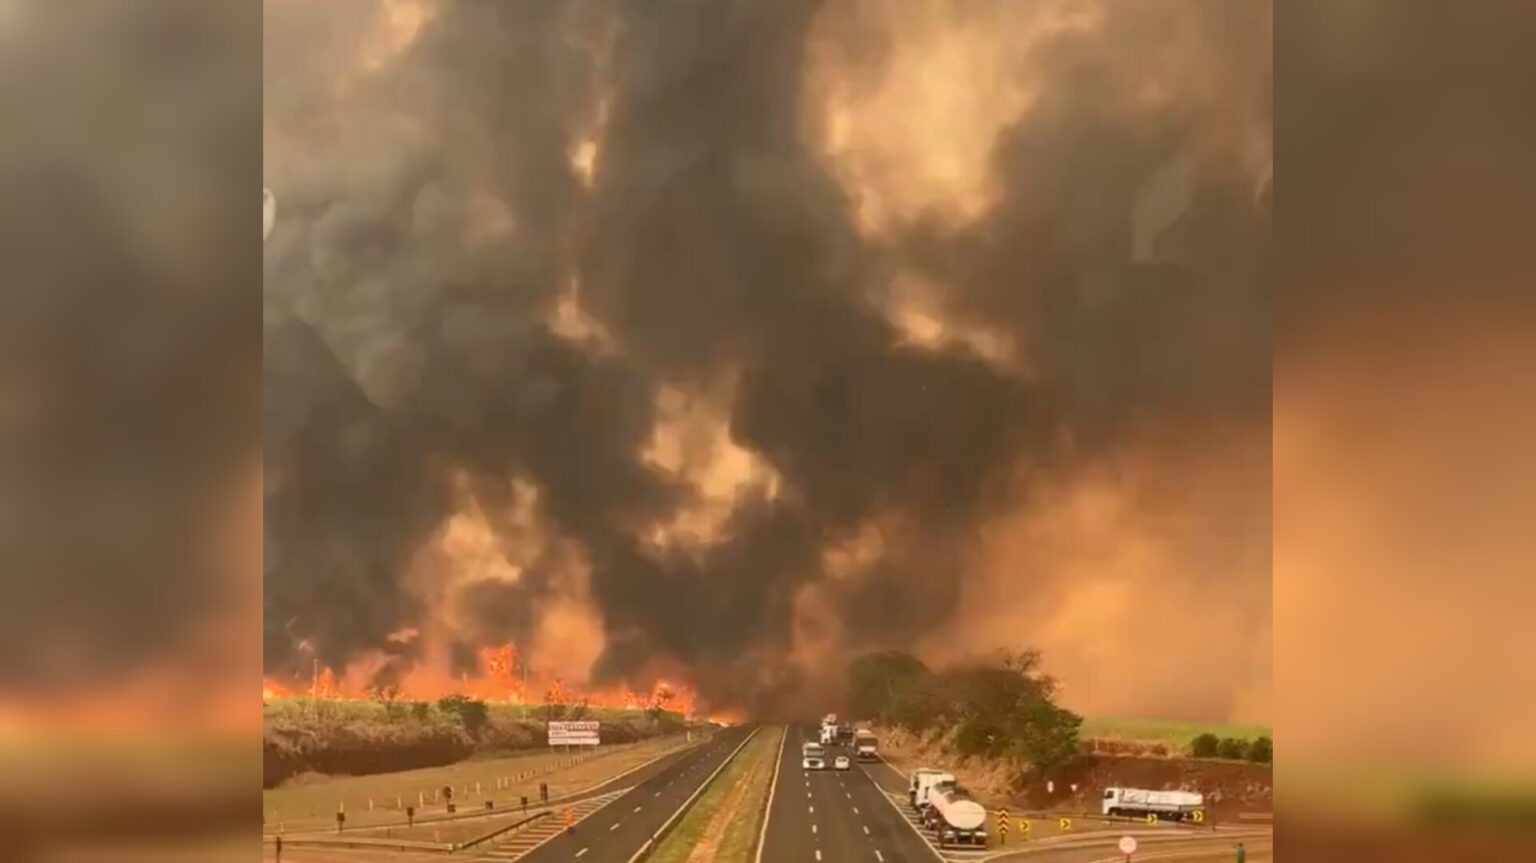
(421, 710)
(1233, 748)
(472, 713)
(1261, 751)
(1205, 746)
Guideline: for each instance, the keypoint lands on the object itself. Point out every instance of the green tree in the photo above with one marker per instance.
(879, 682)
(472, 713)
(1232, 747)
(1261, 750)
(1205, 746)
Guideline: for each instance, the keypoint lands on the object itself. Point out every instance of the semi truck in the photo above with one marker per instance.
(865, 745)
(923, 781)
(1173, 805)
(844, 735)
(954, 817)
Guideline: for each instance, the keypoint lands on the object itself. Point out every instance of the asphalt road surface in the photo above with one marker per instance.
(834, 816)
(615, 832)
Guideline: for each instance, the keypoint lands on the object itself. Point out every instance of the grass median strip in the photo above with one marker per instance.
(723, 823)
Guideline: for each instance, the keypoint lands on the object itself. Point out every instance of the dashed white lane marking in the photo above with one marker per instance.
(807, 794)
(581, 852)
(637, 808)
(866, 829)
(818, 853)
(614, 827)
(811, 809)
(855, 810)
(813, 828)
(657, 794)
(880, 857)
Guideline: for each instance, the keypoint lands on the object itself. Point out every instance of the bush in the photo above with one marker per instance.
(1261, 751)
(421, 710)
(472, 713)
(1205, 746)
(1233, 748)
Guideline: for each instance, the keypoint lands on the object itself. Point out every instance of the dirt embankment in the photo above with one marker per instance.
(1231, 787)
(352, 747)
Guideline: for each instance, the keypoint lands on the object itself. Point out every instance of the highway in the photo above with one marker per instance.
(613, 833)
(834, 816)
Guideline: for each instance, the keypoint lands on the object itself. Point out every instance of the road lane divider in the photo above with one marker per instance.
(762, 835)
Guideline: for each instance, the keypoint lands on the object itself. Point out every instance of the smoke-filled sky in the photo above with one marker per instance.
(717, 339)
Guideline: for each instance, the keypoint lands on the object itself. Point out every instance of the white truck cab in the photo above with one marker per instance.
(923, 780)
(813, 757)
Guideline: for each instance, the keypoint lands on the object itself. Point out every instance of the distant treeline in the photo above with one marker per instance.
(385, 735)
(1000, 708)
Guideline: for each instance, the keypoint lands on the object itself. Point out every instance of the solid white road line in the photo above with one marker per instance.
(762, 836)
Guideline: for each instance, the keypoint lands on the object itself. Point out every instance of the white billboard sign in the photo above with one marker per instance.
(581, 732)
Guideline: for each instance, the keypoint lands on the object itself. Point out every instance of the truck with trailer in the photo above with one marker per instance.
(923, 781)
(954, 817)
(844, 735)
(1173, 805)
(865, 745)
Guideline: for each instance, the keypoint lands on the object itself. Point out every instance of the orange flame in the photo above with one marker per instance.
(503, 677)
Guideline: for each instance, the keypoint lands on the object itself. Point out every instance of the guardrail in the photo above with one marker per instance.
(501, 830)
(666, 828)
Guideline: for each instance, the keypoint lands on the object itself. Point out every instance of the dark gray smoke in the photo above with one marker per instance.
(400, 353)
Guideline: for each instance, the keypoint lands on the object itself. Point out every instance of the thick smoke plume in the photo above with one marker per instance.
(718, 339)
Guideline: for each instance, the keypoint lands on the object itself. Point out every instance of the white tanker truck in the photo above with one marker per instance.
(954, 817)
(1173, 805)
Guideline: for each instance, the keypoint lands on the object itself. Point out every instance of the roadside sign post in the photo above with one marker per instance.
(1002, 826)
(1128, 847)
(1065, 824)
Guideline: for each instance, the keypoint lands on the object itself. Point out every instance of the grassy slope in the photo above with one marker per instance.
(360, 738)
(312, 805)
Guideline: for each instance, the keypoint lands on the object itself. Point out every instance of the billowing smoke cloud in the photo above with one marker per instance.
(716, 329)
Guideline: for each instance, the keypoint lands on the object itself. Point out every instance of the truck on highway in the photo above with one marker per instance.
(1173, 805)
(865, 745)
(812, 756)
(922, 782)
(844, 735)
(828, 735)
(954, 817)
